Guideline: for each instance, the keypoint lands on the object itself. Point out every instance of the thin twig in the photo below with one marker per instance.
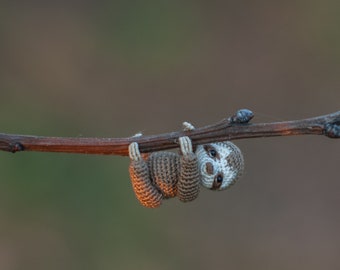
(231, 128)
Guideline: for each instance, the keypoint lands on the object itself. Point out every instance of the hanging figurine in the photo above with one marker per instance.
(164, 175)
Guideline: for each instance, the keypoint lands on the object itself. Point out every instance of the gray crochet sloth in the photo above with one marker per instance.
(164, 175)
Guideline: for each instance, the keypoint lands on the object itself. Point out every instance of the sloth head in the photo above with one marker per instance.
(220, 164)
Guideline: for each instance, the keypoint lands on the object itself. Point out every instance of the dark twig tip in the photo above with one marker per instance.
(332, 130)
(242, 116)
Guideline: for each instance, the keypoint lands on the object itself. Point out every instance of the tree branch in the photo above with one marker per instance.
(232, 128)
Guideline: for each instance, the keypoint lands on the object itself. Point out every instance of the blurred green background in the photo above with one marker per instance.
(114, 68)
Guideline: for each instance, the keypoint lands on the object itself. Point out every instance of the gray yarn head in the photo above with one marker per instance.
(220, 164)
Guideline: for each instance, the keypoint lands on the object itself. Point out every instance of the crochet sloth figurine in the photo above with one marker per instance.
(164, 175)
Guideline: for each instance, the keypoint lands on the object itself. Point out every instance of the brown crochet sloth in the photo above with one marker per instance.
(165, 175)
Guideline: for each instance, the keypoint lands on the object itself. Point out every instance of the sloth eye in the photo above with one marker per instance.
(212, 153)
(217, 182)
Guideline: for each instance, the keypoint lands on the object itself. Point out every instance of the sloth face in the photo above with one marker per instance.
(220, 164)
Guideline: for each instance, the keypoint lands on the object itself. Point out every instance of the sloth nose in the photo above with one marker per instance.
(209, 168)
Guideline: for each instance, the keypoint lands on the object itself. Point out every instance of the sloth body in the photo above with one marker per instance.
(164, 175)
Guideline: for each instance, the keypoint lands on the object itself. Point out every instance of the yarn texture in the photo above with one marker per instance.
(164, 175)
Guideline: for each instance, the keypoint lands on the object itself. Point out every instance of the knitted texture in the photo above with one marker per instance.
(164, 172)
(164, 175)
(220, 164)
(147, 193)
(235, 161)
(188, 186)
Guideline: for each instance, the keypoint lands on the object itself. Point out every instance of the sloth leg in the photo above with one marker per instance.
(147, 194)
(188, 183)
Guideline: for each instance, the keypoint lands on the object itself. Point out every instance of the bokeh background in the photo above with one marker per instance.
(114, 68)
